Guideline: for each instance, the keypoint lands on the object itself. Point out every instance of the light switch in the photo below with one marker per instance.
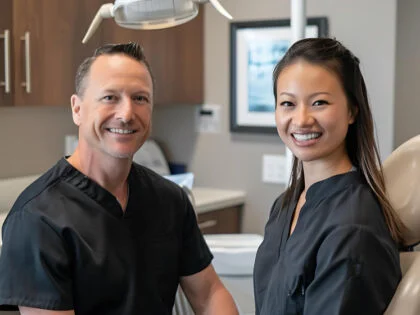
(208, 118)
(274, 169)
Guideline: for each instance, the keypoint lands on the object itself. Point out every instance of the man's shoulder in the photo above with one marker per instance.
(155, 189)
(147, 178)
(41, 185)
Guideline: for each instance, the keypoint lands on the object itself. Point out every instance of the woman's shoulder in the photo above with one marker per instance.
(277, 205)
(356, 198)
(355, 205)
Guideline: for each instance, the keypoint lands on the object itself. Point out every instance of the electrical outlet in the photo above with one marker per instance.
(274, 169)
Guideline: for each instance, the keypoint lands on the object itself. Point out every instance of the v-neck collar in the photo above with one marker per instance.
(95, 191)
(315, 194)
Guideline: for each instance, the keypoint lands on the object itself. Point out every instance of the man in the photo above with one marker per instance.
(98, 234)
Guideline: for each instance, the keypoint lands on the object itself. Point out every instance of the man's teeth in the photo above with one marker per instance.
(306, 136)
(120, 131)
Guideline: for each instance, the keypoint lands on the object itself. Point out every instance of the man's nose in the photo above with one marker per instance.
(126, 110)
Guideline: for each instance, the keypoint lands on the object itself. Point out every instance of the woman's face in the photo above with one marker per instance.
(312, 112)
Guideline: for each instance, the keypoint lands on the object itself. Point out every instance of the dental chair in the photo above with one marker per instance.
(402, 180)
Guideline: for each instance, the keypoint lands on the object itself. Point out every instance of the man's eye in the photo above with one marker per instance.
(109, 98)
(320, 102)
(141, 99)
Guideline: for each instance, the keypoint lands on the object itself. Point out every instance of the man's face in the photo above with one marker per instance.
(114, 113)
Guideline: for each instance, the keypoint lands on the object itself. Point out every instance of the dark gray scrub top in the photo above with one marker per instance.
(67, 244)
(340, 259)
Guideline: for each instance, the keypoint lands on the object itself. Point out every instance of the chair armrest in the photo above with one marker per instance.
(406, 299)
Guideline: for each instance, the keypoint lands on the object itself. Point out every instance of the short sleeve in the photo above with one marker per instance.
(357, 272)
(195, 254)
(35, 268)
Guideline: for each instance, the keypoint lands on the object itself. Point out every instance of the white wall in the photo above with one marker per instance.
(32, 138)
(407, 76)
(233, 161)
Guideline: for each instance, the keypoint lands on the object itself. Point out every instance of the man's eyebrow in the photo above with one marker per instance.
(109, 90)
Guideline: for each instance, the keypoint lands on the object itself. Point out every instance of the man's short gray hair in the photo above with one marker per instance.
(133, 50)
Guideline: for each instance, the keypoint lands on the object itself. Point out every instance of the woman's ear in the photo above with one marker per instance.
(353, 112)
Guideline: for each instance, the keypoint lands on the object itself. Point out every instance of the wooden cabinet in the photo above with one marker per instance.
(48, 57)
(55, 30)
(5, 35)
(226, 220)
(175, 55)
(45, 48)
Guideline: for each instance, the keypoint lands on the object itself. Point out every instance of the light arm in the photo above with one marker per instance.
(104, 12)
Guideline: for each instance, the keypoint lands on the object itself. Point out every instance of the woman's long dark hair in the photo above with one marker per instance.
(360, 140)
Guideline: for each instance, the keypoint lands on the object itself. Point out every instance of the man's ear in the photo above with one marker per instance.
(76, 103)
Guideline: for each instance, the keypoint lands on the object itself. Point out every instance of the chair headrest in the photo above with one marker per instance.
(402, 181)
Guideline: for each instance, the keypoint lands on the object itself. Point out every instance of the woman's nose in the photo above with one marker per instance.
(303, 116)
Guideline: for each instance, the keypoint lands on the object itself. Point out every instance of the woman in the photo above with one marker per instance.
(331, 241)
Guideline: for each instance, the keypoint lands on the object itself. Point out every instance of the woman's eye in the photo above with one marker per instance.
(286, 104)
(320, 102)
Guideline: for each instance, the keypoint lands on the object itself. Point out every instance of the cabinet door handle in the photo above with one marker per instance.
(6, 82)
(207, 224)
(27, 84)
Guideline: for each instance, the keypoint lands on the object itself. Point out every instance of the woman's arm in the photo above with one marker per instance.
(357, 272)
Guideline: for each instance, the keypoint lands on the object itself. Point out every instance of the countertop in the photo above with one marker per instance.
(207, 199)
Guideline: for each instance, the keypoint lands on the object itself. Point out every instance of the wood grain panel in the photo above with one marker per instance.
(176, 56)
(56, 29)
(6, 11)
(222, 221)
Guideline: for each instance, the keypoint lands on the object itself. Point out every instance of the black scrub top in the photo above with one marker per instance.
(340, 259)
(67, 244)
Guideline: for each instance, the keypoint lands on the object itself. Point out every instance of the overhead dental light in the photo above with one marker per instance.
(149, 14)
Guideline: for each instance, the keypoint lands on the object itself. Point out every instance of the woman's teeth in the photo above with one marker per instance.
(306, 136)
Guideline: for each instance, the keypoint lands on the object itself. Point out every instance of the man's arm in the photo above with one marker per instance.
(35, 267)
(207, 294)
(37, 311)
